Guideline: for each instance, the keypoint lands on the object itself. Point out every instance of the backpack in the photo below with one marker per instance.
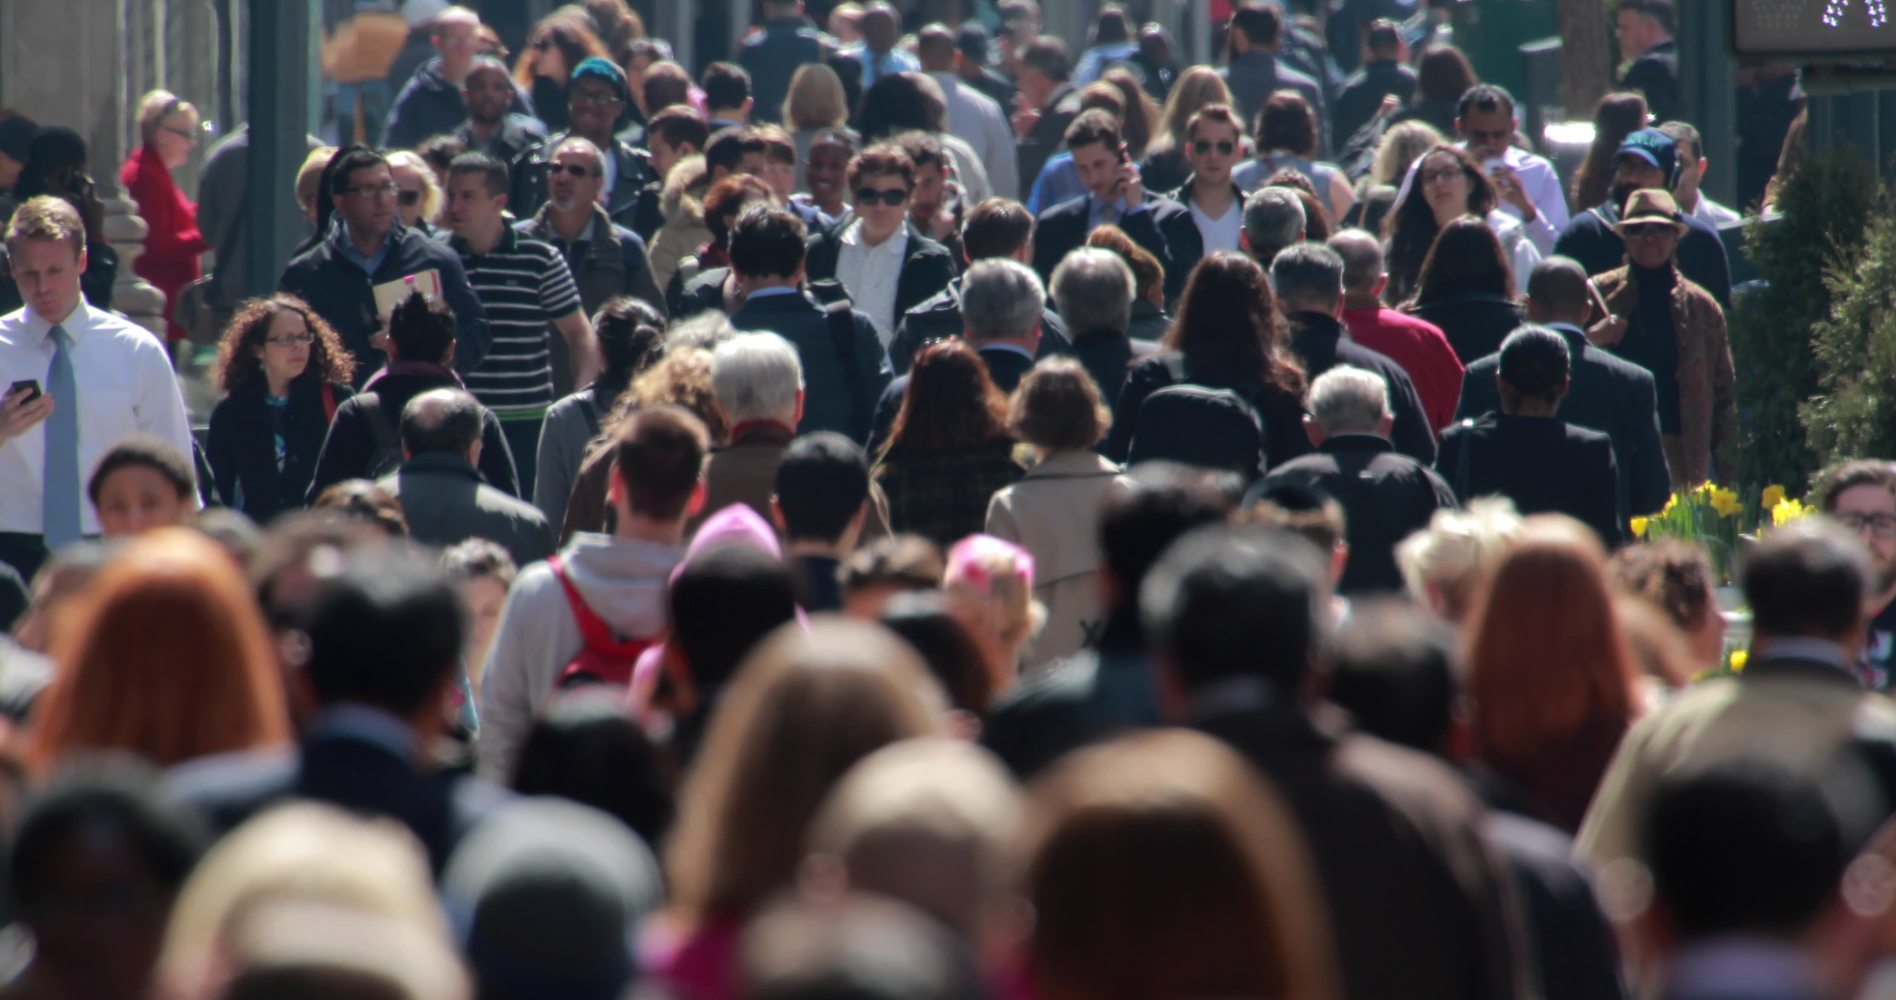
(387, 458)
(1200, 425)
(605, 658)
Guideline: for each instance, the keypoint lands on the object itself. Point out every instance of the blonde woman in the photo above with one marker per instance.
(418, 195)
(816, 102)
(989, 585)
(1444, 563)
(168, 128)
(1165, 167)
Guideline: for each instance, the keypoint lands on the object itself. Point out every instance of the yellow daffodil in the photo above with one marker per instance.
(1725, 502)
(1639, 526)
(1672, 503)
(1786, 511)
(1772, 496)
(1739, 658)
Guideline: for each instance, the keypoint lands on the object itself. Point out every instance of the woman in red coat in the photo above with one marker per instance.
(173, 243)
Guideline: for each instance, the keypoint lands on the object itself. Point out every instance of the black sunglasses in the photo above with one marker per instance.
(575, 169)
(409, 198)
(1203, 146)
(891, 197)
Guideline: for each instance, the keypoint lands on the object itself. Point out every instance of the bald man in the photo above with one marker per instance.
(972, 115)
(1416, 344)
(440, 485)
(1608, 393)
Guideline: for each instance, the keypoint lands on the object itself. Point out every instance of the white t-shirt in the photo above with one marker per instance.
(1220, 233)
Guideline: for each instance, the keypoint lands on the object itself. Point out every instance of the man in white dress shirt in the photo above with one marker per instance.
(1528, 186)
(1692, 167)
(96, 379)
(973, 116)
(875, 244)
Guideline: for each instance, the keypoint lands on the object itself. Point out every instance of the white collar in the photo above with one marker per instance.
(39, 327)
(896, 243)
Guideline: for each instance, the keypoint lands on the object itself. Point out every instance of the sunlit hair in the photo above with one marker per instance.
(1163, 867)
(430, 186)
(296, 853)
(164, 655)
(989, 583)
(803, 708)
(1411, 228)
(951, 402)
(567, 29)
(1614, 118)
(1442, 563)
(1466, 259)
(243, 337)
(1401, 146)
(158, 105)
(1227, 323)
(815, 100)
(1195, 88)
(1549, 670)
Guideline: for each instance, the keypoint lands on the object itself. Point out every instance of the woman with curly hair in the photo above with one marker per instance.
(283, 372)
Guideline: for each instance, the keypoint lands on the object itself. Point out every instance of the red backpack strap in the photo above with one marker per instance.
(592, 628)
(329, 402)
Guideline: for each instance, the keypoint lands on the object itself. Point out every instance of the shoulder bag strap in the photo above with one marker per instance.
(329, 402)
(592, 628)
(386, 440)
(1461, 461)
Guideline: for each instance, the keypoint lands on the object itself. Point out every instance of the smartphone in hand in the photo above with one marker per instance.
(30, 386)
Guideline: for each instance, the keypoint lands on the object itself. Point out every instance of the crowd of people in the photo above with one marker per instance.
(912, 513)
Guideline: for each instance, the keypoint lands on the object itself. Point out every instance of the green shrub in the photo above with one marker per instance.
(1855, 349)
(1804, 257)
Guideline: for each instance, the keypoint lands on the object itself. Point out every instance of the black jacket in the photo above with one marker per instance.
(517, 134)
(1543, 464)
(927, 267)
(343, 770)
(839, 394)
(1281, 409)
(939, 317)
(344, 296)
(529, 178)
(1005, 366)
(1363, 94)
(242, 446)
(1048, 136)
(429, 105)
(1607, 394)
(1656, 74)
(607, 261)
(1108, 357)
(1322, 343)
(349, 452)
(1590, 240)
(1475, 325)
(1385, 497)
(446, 503)
(1163, 227)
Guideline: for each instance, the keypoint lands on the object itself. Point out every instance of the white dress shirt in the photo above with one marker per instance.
(1538, 181)
(1712, 213)
(869, 275)
(978, 120)
(1517, 244)
(126, 386)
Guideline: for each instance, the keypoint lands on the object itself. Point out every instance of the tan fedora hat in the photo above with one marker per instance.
(1650, 205)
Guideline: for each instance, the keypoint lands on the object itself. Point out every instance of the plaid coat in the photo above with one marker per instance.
(944, 496)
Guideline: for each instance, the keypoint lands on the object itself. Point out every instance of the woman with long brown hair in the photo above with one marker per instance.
(1162, 867)
(1442, 77)
(561, 41)
(803, 708)
(283, 372)
(1614, 118)
(1550, 675)
(948, 451)
(1227, 334)
(1448, 184)
(1467, 289)
(165, 656)
(1165, 167)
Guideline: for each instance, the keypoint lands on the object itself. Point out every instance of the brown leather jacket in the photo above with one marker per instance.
(1708, 411)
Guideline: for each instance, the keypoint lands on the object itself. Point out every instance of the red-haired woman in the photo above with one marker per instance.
(1549, 671)
(949, 451)
(165, 656)
(283, 372)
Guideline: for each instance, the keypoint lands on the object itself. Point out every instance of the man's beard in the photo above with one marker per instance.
(1619, 194)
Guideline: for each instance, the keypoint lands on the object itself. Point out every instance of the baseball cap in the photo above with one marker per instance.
(603, 69)
(1653, 147)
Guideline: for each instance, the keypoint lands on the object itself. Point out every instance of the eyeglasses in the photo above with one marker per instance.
(1203, 146)
(573, 169)
(1880, 525)
(409, 199)
(1646, 230)
(890, 197)
(389, 190)
(542, 45)
(183, 133)
(596, 99)
(1440, 176)
(293, 340)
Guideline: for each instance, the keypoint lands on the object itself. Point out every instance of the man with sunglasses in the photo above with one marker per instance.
(607, 260)
(1861, 496)
(1657, 317)
(1213, 146)
(1648, 158)
(491, 128)
(430, 103)
(883, 263)
(595, 100)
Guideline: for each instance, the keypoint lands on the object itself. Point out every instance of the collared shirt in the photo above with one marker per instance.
(1805, 648)
(126, 386)
(876, 67)
(1098, 212)
(525, 286)
(760, 293)
(869, 275)
(1712, 213)
(368, 725)
(1003, 346)
(369, 264)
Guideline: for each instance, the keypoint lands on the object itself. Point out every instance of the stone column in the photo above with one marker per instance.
(65, 63)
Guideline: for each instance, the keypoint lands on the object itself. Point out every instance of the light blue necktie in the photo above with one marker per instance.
(60, 496)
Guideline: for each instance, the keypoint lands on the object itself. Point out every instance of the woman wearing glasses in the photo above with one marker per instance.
(169, 126)
(283, 372)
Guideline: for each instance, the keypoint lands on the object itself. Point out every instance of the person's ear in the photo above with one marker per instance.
(1386, 425)
(1314, 431)
(1382, 284)
(447, 360)
(474, 453)
(798, 422)
(776, 516)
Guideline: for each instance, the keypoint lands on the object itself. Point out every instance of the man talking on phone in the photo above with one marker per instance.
(80, 381)
(1116, 196)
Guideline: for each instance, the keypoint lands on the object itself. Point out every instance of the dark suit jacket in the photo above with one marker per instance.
(1656, 74)
(1475, 325)
(939, 317)
(1005, 366)
(1362, 95)
(1109, 357)
(349, 452)
(1420, 904)
(446, 504)
(927, 267)
(517, 134)
(1541, 463)
(1608, 394)
(828, 402)
(1048, 136)
(1322, 343)
(1163, 227)
(1384, 495)
(1281, 409)
(345, 771)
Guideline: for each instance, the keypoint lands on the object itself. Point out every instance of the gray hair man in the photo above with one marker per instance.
(1273, 220)
(1094, 291)
(440, 486)
(758, 381)
(1308, 279)
(1384, 495)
